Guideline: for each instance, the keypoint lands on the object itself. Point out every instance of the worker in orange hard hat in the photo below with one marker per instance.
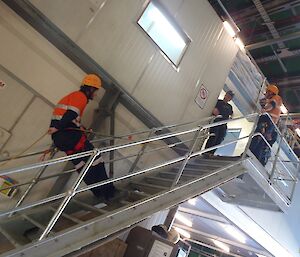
(68, 136)
(270, 104)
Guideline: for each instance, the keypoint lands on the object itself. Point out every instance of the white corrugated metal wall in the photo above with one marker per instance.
(108, 32)
(112, 37)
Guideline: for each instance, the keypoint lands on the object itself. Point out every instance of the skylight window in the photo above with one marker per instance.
(164, 32)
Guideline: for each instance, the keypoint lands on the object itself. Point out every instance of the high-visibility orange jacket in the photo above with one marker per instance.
(75, 102)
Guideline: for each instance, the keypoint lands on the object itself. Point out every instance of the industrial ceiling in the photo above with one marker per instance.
(270, 30)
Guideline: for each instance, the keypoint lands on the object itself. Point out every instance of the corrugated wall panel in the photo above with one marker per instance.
(83, 11)
(169, 94)
(115, 41)
(215, 73)
(30, 56)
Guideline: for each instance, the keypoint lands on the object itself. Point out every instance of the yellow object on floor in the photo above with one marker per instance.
(7, 182)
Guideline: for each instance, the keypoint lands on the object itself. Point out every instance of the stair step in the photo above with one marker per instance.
(171, 175)
(137, 195)
(6, 243)
(192, 171)
(147, 188)
(215, 160)
(67, 216)
(199, 166)
(164, 182)
(90, 207)
(34, 222)
(11, 242)
(16, 229)
(124, 202)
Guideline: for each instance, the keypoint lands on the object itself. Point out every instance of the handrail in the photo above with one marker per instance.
(112, 180)
(108, 161)
(280, 134)
(97, 151)
(98, 140)
(267, 143)
(62, 159)
(155, 138)
(118, 147)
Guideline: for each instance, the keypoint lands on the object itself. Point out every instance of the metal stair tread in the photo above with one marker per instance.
(148, 185)
(174, 174)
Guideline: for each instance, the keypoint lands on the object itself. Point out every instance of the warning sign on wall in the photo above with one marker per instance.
(2, 84)
(202, 96)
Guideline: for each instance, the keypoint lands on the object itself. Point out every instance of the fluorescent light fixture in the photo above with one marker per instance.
(260, 255)
(228, 28)
(283, 109)
(234, 233)
(183, 219)
(183, 232)
(298, 131)
(221, 245)
(192, 201)
(240, 44)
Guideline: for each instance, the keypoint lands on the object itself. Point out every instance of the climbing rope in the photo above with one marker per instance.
(23, 151)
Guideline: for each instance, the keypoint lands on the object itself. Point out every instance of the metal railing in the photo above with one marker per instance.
(52, 150)
(290, 167)
(195, 132)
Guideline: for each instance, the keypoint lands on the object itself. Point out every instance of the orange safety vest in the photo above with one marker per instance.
(75, 101)
(275, 112)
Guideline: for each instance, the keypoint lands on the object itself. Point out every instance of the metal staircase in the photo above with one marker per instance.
(85, 220)
(62, 224)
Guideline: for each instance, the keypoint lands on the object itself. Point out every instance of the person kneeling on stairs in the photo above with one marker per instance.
(68, 134)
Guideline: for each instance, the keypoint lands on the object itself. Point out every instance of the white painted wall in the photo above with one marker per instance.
(37, 75)
(110, 35)
(107, 31)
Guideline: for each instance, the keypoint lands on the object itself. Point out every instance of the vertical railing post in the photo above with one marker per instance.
(256, 119)
(32, 184)
(250, 136)
(69, 196)
(187, 158)
(293, 189)
(277, 152)
(141, 152)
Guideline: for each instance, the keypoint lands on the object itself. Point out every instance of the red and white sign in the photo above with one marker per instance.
(202, 96)
(2, 84)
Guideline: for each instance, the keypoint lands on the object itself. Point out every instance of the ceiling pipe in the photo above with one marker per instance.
(273, 41)
(268, 22)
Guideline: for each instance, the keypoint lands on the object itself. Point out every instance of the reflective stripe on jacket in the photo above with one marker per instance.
(75, 101)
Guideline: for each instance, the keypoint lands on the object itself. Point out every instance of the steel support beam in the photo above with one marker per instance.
(206, 215)
(273, 41)
(61, 41)
(270, 6)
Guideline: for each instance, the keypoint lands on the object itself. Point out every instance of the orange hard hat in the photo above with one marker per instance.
(274, 89)
(92, 80)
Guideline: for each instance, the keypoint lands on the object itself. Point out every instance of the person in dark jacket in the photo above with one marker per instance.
(68, 136)
(224, 110)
